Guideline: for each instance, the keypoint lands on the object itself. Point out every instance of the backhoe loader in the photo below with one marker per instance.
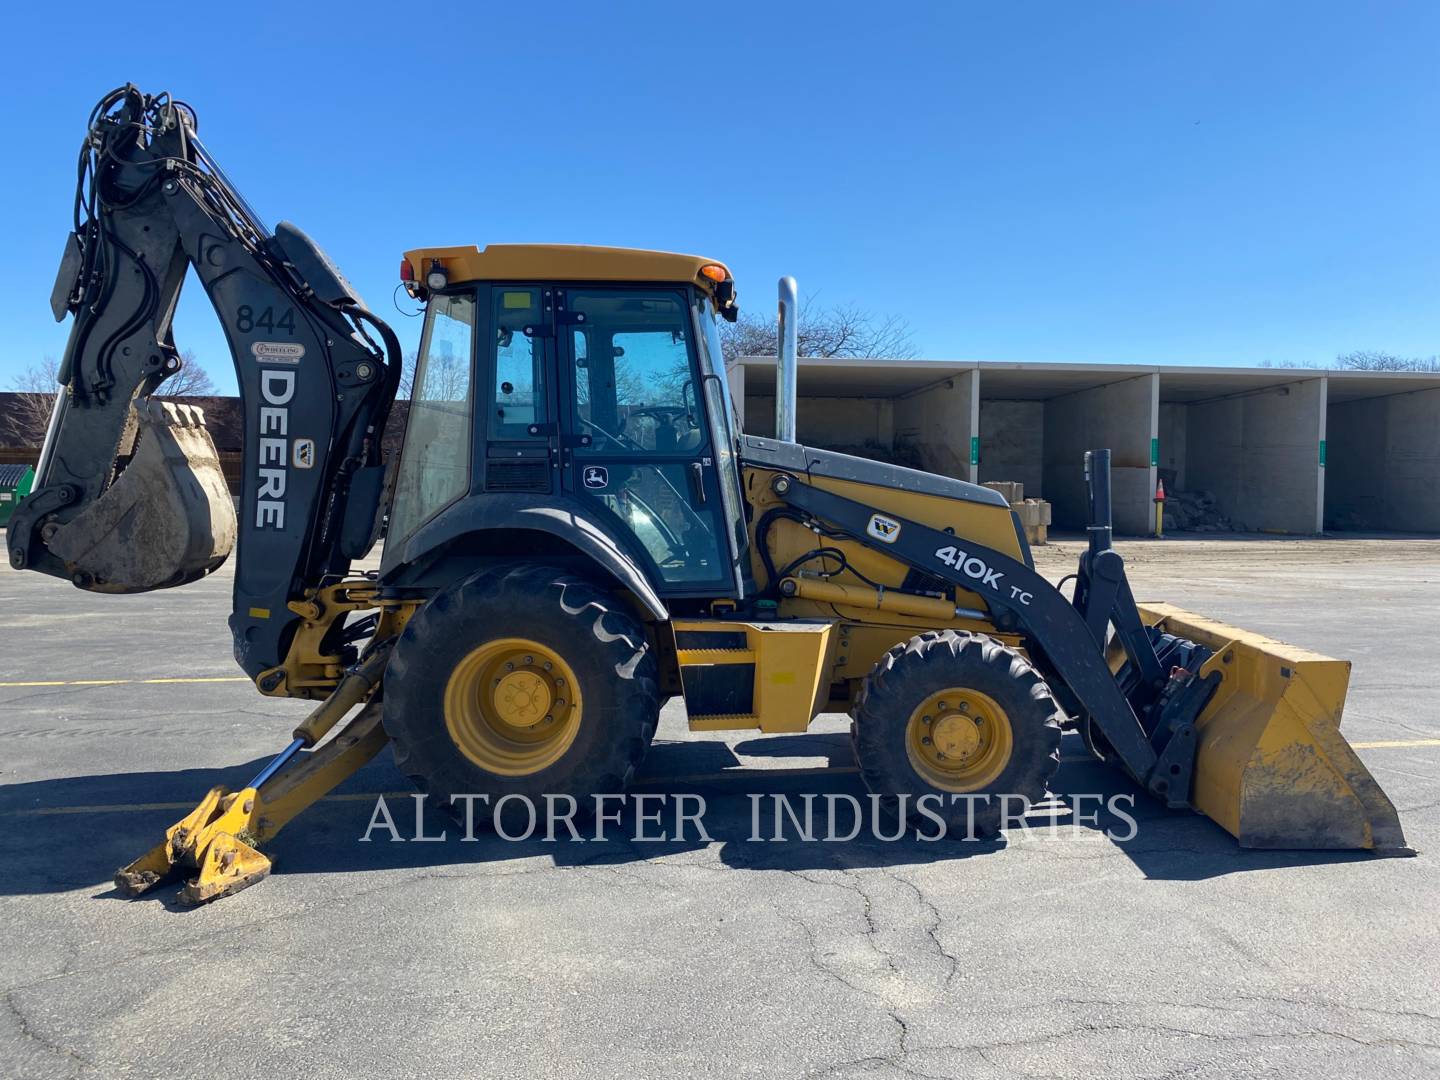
(576, 531)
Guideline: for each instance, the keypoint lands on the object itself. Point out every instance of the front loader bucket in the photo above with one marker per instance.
(167, 519)
(1271, 766)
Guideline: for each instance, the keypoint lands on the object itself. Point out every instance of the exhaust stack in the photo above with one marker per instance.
(786, 361)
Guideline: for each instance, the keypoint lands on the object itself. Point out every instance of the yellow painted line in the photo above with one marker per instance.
(212, 678)
(126, 682)
(136, 808)
(1394, 744)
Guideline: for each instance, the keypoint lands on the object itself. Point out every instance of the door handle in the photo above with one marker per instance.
(697, 481)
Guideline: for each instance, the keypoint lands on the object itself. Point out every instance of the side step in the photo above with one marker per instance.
(770, 676)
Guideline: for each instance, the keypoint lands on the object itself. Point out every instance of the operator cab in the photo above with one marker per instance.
(563, 380)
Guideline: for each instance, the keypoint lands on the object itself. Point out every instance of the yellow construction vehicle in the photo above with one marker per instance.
(577, 531)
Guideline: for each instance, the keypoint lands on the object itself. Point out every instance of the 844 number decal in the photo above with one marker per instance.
(246, 320)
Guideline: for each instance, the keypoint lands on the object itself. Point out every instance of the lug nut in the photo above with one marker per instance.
(925, 741)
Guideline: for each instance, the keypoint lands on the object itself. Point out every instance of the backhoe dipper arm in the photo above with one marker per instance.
(129, 495)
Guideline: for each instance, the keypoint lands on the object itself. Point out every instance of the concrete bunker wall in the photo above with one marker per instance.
(936, 424)
(829, 421)
(1382, 463)
(1120, 416)
(1012, 441)
(1259, 453)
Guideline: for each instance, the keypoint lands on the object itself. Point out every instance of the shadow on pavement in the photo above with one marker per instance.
(73, 832)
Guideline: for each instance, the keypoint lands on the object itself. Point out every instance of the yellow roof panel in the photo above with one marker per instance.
(560, 262)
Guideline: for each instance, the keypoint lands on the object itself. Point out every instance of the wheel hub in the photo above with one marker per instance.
(959, 739)
(522, 699)
(956, 736)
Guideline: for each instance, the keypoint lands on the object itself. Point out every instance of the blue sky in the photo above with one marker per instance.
(1224, 183)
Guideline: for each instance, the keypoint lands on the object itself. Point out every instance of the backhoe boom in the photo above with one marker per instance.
(128, 496)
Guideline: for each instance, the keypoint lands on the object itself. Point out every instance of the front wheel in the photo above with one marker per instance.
(950, 714)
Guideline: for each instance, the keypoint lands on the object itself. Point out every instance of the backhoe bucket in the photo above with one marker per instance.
(167, 519)
(1271, 766)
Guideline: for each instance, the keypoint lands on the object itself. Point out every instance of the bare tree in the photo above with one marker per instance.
(407, 375)
(190, 381)
(842, 330)
(29, 412)
(1366, 360)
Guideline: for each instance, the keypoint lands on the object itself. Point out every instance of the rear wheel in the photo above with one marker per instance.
(523, 680)
(956, 714)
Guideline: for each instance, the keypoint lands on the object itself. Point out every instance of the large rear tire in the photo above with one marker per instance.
(523, 680)
(952, 713)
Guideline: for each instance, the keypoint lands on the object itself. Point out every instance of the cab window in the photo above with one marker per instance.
(634, 381)
(435, 459)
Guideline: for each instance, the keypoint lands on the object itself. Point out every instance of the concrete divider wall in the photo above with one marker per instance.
(1173, 431)
(1121, 416)
(1383, 463)
(938, 421)
(1012, 441)
(1259, 452)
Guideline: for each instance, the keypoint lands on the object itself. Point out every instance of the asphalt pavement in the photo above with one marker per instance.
(1065, 950)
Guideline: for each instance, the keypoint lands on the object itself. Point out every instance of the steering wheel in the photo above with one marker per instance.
(661, 414)
(621, 438)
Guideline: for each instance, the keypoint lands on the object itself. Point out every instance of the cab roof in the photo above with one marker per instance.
(563, 262)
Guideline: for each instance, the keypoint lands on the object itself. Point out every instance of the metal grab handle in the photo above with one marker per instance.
(697, 482)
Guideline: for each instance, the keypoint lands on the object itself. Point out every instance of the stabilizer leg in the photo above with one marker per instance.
(219, 838)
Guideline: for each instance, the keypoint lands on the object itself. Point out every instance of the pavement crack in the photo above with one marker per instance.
(932, 929)
(851, 883)
(27, 1029)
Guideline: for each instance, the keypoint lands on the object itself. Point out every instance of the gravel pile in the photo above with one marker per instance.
(1196, 511)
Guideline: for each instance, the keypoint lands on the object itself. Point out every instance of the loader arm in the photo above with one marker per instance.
(1240, 728)
(128, 493)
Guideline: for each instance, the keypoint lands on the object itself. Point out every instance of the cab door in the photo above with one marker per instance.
(635, 442)
(518, 389)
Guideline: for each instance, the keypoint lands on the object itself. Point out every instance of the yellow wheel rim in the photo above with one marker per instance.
(959, 740)
(513, 706)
